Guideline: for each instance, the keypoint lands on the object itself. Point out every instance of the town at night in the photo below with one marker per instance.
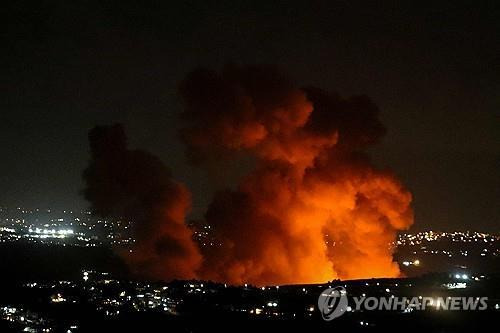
(193, 166)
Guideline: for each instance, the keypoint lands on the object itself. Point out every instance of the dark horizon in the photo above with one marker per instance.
(433, 72)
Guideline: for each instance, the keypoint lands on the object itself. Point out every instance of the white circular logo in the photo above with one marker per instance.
(332, 303)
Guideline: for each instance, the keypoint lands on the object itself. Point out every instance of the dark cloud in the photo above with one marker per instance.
(136, 185)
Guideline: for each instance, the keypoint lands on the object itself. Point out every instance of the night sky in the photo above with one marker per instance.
(434, 72)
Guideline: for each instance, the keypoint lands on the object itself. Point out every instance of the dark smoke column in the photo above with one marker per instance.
(136, 185)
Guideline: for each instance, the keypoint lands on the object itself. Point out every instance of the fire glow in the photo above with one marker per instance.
(313, 209)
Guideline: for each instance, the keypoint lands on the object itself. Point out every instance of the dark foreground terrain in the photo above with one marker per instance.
(99, 302)
(78, 289)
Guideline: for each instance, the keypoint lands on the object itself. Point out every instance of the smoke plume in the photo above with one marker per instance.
(136, 185)
(314, 208)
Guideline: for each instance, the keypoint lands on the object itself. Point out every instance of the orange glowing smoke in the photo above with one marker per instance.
(314, 208)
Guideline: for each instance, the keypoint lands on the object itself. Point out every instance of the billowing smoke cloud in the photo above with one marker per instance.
(136, 185)
(314, 208)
